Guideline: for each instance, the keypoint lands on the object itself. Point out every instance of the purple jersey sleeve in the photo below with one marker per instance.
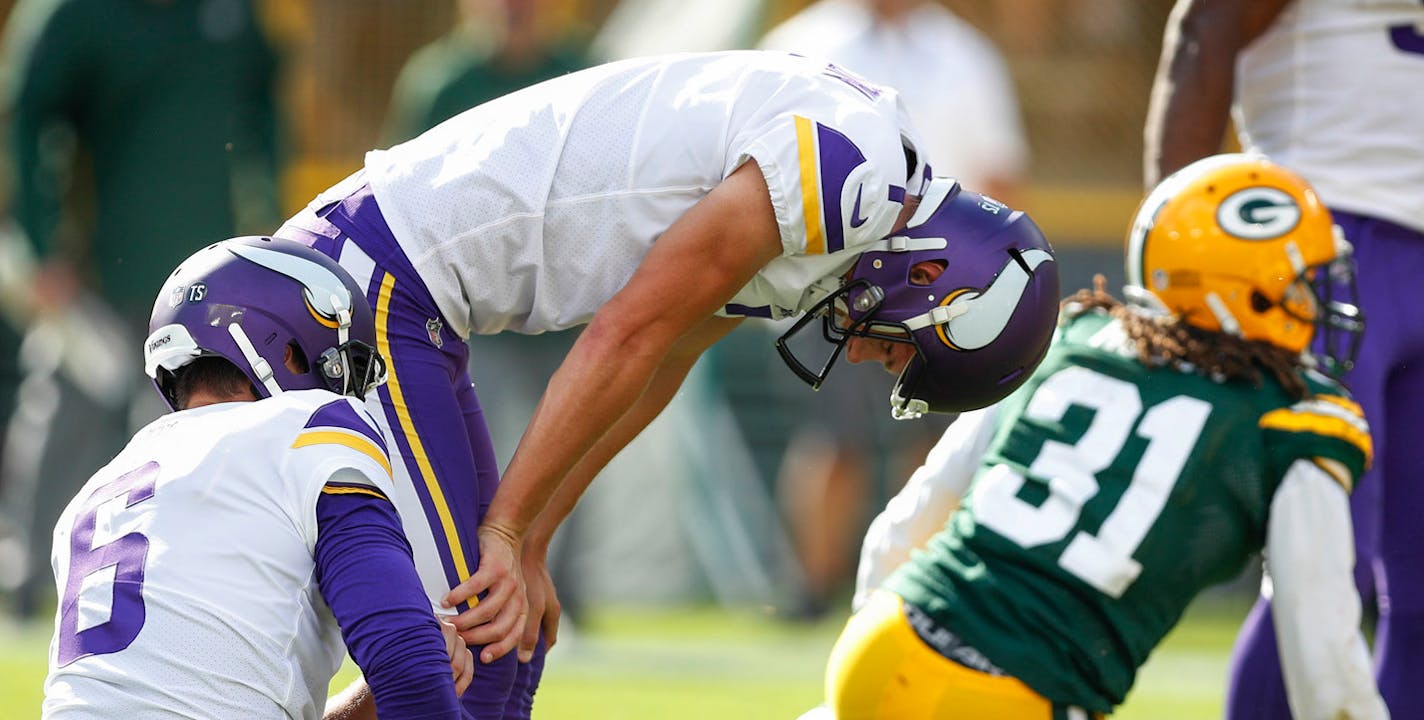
(366, 575)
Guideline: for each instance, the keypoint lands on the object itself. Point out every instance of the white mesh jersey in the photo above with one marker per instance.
(1335, 91)
(185, 566)
(529, 212)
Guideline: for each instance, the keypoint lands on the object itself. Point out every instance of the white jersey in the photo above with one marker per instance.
(185, 566)
(951, 77)
(1335, 91)
(529, 212)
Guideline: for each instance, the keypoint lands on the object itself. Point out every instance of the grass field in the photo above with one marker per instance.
(710, 664)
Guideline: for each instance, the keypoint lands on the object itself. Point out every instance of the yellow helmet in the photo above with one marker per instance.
(1234, 243)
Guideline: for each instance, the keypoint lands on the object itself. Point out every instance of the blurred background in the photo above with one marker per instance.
(139, 130)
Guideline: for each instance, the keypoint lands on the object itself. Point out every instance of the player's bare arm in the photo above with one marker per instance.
(692, 271)
(544, 608)
(1191, 96)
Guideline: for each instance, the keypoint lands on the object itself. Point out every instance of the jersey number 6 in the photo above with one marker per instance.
(1102, 559)
(102, 609)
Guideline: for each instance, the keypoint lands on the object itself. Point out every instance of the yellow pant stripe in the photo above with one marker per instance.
(407, 429)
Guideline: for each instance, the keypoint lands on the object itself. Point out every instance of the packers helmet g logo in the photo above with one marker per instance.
(1258, 213)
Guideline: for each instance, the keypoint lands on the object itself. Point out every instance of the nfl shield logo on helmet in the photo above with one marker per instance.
(432, 328)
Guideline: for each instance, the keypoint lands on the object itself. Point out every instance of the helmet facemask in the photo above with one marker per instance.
(352, 368)
(846, 313)
(1339, 323)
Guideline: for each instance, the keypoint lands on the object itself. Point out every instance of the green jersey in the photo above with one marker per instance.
(173, 103)
(1111, 494)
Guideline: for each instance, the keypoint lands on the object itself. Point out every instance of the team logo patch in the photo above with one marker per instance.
(1258, 213)
(433, 327)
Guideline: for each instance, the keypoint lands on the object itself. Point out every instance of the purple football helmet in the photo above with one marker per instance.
(247, 300)
(979, 328)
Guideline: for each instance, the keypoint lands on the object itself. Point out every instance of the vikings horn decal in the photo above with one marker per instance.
(320, 284)
(975, 319)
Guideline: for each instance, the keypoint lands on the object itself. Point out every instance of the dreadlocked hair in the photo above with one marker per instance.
(1167, 340)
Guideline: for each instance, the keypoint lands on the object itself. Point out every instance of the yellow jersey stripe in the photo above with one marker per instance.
(1344, 402)
(810, 187)
(1325, 425)
(334, 490)
(407, 428)
(354, 441)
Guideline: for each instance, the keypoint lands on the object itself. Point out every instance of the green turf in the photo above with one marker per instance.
(712, 664)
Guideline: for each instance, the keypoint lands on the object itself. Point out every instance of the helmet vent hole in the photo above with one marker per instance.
(1260, 303)
(297, 360)
(921, 275)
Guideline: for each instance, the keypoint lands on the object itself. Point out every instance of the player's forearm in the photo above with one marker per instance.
(1315, 606)
(1191, 96)
(1196, 77)
(590, 392)
(655, 394)
(367, 578)
(664, 311)
(655, 398)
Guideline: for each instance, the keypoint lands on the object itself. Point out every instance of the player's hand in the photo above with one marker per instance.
(544, 607)
(462, 663)
(496, 619)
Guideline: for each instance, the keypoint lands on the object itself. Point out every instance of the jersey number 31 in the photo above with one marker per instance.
(1102, 559)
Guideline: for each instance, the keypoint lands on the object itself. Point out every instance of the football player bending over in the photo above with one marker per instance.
(1160, 444)
(214, 566)
(658, 201)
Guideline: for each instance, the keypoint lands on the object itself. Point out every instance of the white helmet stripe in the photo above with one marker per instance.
(934, 196)
(320, 284)
(991, 308)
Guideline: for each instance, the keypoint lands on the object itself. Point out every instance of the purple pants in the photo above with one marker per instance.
(1388, 502)
(431, 410)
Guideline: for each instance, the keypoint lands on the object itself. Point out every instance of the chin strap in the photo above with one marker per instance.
(343, 333)
(906, 408)
(1229, 324)
(260, 367)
